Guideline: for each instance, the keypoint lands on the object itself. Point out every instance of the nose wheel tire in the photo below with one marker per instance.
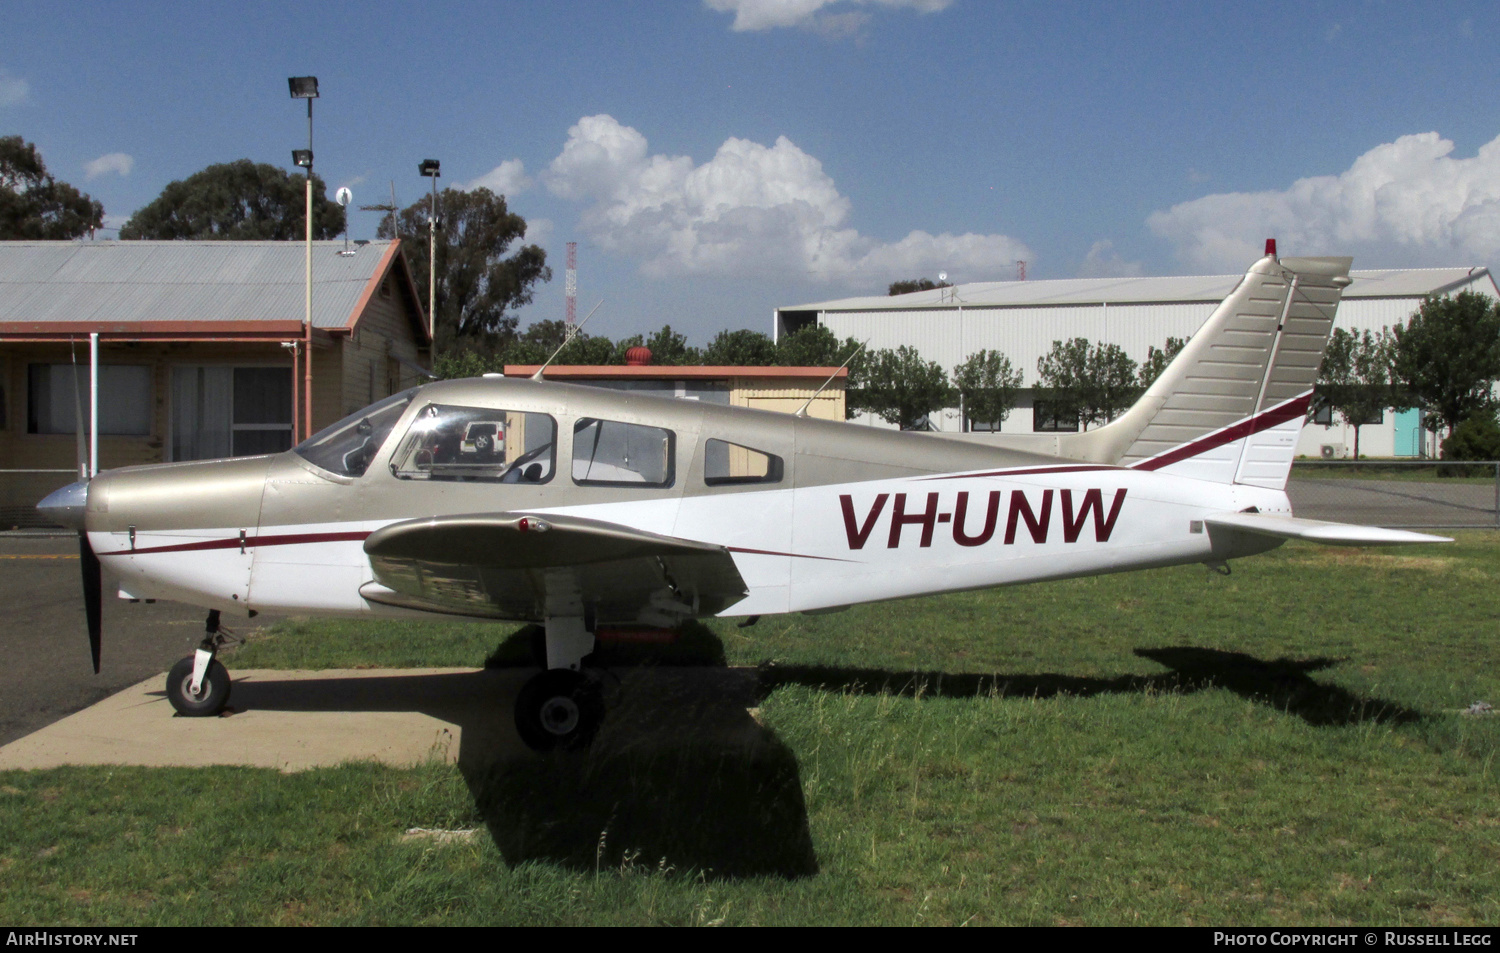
(212, 695)
(559, 709)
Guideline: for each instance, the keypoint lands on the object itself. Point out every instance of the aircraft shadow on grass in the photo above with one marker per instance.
(1283, 684)
(682, 774)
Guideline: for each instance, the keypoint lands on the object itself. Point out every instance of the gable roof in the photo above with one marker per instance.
(124, 283)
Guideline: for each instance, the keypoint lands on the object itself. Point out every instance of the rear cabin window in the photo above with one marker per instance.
(610, 453)
(729, 464)
(477, 444)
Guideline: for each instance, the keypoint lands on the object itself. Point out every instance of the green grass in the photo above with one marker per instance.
(1281, 746)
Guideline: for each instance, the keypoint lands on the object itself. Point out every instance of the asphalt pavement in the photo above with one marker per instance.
(45, 670)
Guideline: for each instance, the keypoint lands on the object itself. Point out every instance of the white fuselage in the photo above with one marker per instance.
(798, 549)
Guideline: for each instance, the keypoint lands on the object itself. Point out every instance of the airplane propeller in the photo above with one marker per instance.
(93, 598)
(93, 573)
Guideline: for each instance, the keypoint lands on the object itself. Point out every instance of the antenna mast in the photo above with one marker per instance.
(570, 293)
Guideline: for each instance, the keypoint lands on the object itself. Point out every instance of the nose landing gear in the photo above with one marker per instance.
(198, 685)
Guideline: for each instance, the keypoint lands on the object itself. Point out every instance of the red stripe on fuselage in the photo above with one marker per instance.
(249, 541)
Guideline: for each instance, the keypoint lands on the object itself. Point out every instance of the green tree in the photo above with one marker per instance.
(241, 200)
(900, 387)
(476, 281)
(742, 348)
(988, 386)
(916, 284)
(1097, 382)
(670, 348)
(814, 346)
(1354, 378)
(1157, 360)
(34, 206)
(1447, 357)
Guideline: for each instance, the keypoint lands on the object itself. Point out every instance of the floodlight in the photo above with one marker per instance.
(302, 157)
(429, 167)
(303, 87)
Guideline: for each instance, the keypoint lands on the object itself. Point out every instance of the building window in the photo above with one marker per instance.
(610, 453)
(1323, 414)
(1047, 416)
(230, 411)
(729, 464)
(124, 398)
(984, 426)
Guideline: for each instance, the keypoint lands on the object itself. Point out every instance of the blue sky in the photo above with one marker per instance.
(717, 158)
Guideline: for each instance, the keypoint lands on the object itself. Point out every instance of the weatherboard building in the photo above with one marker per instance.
(1021, 319)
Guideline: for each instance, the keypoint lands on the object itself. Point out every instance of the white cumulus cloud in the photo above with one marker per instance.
(751, 209)
(13, 89)
(1103, 261)
(1407, 200)
(507, 178)
(117, 162)
(752, 15)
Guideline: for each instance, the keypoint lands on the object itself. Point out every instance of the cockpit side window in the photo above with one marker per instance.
(611, 453)
(347, 447)
(729, 464)
(452, 443)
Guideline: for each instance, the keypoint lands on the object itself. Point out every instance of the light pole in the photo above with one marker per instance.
(306, 87)
(429, 168)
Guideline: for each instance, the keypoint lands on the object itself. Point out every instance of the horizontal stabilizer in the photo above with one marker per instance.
(1317, 531)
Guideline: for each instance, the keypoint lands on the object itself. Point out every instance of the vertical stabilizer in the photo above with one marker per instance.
(1230, 406)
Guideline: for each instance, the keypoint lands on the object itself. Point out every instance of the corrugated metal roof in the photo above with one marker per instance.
(124, 282)
(1402, 282)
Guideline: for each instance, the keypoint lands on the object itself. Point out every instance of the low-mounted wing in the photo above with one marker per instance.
(498, 565)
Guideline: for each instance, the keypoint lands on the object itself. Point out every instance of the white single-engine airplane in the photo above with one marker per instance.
(581, 508)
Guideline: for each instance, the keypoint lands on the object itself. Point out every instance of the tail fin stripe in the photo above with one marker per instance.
(1265, 420)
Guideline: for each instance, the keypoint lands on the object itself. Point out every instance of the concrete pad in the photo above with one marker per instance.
(292, 721)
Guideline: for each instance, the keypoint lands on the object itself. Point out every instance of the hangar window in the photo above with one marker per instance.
(729, 464)
(477, 443)
(1051, 416)
(610, 453)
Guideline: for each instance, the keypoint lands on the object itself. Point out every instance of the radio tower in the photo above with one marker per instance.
(570, 291)
(1020, 271)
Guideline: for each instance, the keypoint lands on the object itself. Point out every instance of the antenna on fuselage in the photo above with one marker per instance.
(802, 411)
(567, 337)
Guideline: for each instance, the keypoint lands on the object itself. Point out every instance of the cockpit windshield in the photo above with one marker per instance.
(347, 447)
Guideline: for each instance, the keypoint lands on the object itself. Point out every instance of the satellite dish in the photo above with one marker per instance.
(343, 196)
(942, 276)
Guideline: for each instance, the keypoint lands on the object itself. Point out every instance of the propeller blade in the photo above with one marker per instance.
(93, 595)
(82, 450)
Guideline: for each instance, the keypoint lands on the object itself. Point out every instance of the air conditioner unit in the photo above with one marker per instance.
(1331, 451)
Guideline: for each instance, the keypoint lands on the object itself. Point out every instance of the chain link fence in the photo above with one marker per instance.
(1436, 494)
(22, 490)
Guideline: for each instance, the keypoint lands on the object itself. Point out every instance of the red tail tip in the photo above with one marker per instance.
(1271, 248)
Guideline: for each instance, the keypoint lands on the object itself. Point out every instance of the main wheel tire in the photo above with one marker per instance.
(559, 709)
(213, 694)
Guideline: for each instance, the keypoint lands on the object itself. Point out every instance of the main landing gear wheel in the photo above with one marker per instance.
(212, 695)
(559, 708)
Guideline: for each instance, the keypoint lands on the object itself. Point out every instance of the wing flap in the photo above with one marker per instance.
(1317, 531)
